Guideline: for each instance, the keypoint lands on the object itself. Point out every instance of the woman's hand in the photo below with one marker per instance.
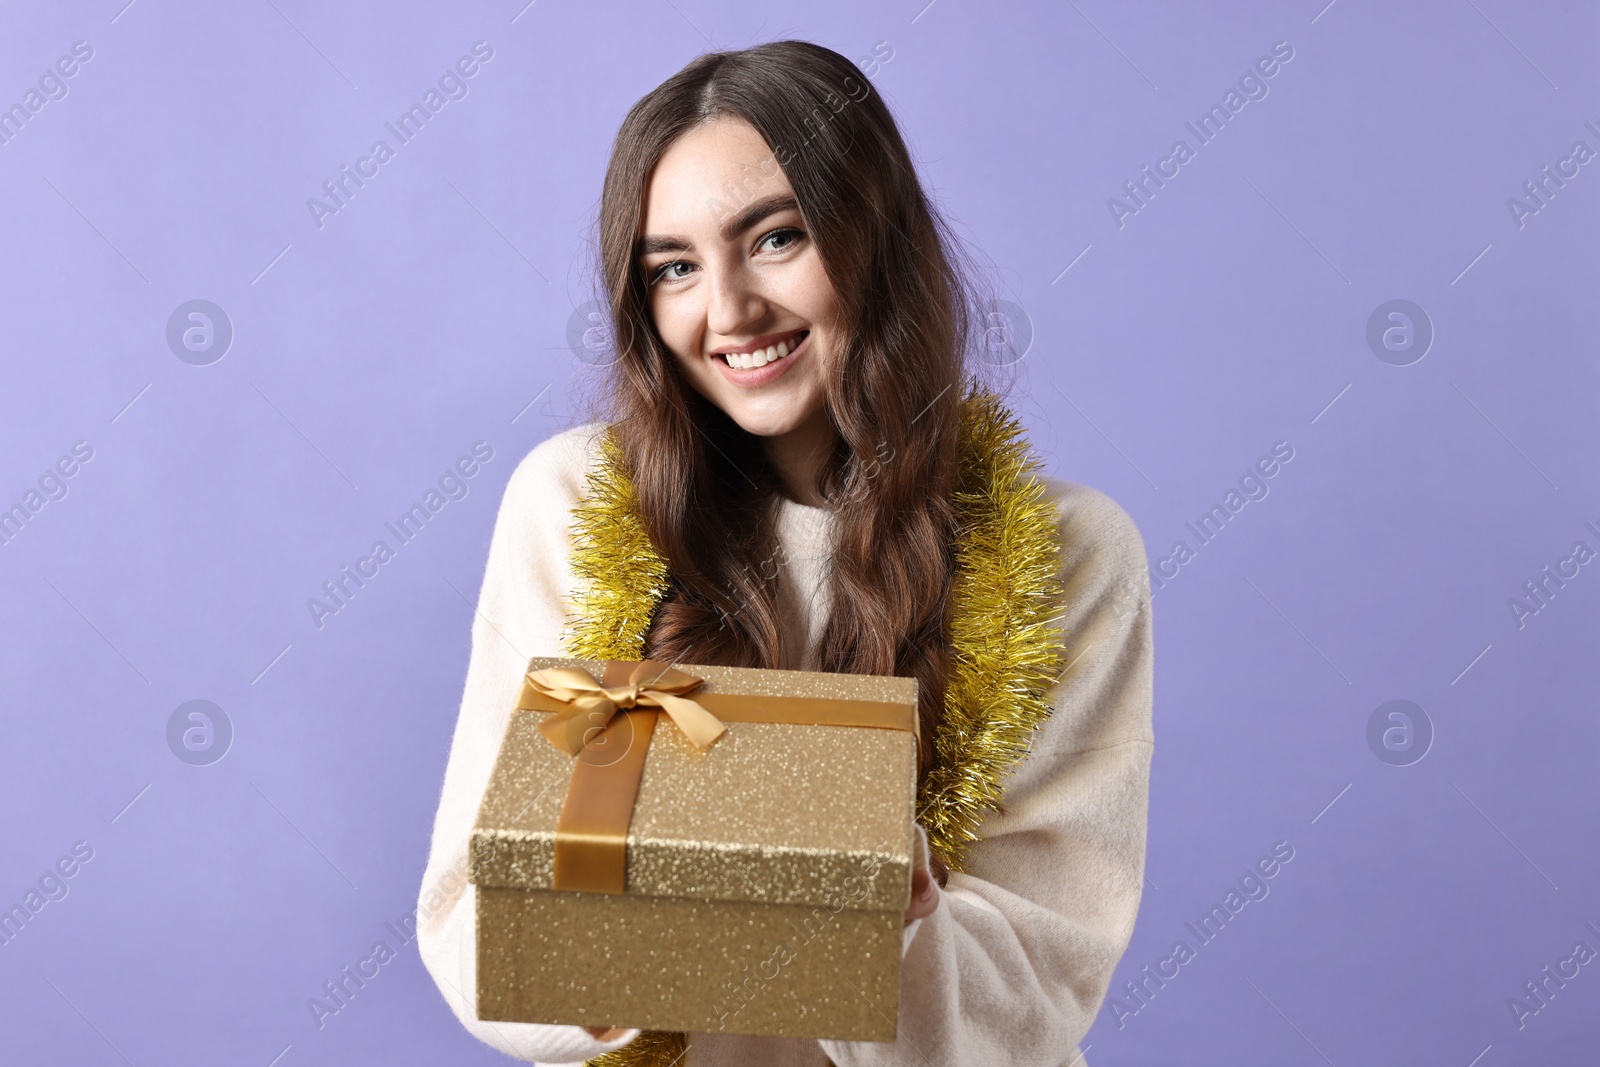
(924, 887)
(601, 1033)
(924, 895)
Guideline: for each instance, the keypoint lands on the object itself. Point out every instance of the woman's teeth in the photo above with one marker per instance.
(761, 357)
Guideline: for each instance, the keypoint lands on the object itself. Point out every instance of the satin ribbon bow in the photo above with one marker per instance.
(650, 684)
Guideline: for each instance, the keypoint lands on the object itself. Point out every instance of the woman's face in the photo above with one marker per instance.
(731, 269)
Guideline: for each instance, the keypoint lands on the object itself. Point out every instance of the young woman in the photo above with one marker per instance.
(799, 470)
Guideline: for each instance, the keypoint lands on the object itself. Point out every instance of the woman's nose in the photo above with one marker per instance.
(734, 303)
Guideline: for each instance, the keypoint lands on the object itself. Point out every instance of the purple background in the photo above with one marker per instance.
(432, 311)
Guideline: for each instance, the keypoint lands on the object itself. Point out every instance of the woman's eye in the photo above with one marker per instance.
(667, 270)
(787, 236)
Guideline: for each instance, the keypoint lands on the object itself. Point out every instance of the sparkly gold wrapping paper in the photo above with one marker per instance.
(767, 877)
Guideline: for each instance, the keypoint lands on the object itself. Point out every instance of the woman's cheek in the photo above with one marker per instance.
(678, 332)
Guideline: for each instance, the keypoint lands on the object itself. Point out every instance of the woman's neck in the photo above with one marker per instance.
(799, 456)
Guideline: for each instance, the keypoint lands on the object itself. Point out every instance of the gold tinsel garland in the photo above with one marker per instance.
(621, 576)
(1006, 647)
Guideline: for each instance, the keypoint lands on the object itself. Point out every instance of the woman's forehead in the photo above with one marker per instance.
(722, 158)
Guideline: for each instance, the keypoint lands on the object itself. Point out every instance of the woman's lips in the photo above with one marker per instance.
(751, 377)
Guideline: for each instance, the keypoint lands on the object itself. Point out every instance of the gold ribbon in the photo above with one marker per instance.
(608, 725)
(583, 707)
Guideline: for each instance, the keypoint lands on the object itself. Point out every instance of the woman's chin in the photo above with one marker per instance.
(761, 424)
(776, 419)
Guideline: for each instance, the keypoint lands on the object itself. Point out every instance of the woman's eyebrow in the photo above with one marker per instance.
(751, 215)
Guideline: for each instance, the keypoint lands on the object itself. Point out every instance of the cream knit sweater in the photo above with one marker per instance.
(1014, 963)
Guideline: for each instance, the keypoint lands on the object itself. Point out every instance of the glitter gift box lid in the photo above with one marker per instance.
(774, 813)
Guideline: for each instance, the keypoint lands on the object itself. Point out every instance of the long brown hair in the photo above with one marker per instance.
(893, 393)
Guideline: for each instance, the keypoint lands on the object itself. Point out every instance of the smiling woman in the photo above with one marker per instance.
(795, 332)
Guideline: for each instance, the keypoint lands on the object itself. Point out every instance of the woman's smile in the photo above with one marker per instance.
(762, 360)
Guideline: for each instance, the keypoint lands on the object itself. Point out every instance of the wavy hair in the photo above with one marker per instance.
(893, 393)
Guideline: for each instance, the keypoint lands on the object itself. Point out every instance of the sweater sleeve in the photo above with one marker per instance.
(1014, 963)
(521, 612)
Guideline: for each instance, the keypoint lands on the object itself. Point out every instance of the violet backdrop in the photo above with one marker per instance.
(229, 465)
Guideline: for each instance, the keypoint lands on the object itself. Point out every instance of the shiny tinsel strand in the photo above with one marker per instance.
(652, 1048)
(1006, 650)
(621, 576)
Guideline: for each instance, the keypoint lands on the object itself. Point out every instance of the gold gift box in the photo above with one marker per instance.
(766, 876)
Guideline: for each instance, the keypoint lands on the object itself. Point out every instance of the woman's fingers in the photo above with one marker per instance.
(924, 895)
(924, 890)
(603, 1033)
